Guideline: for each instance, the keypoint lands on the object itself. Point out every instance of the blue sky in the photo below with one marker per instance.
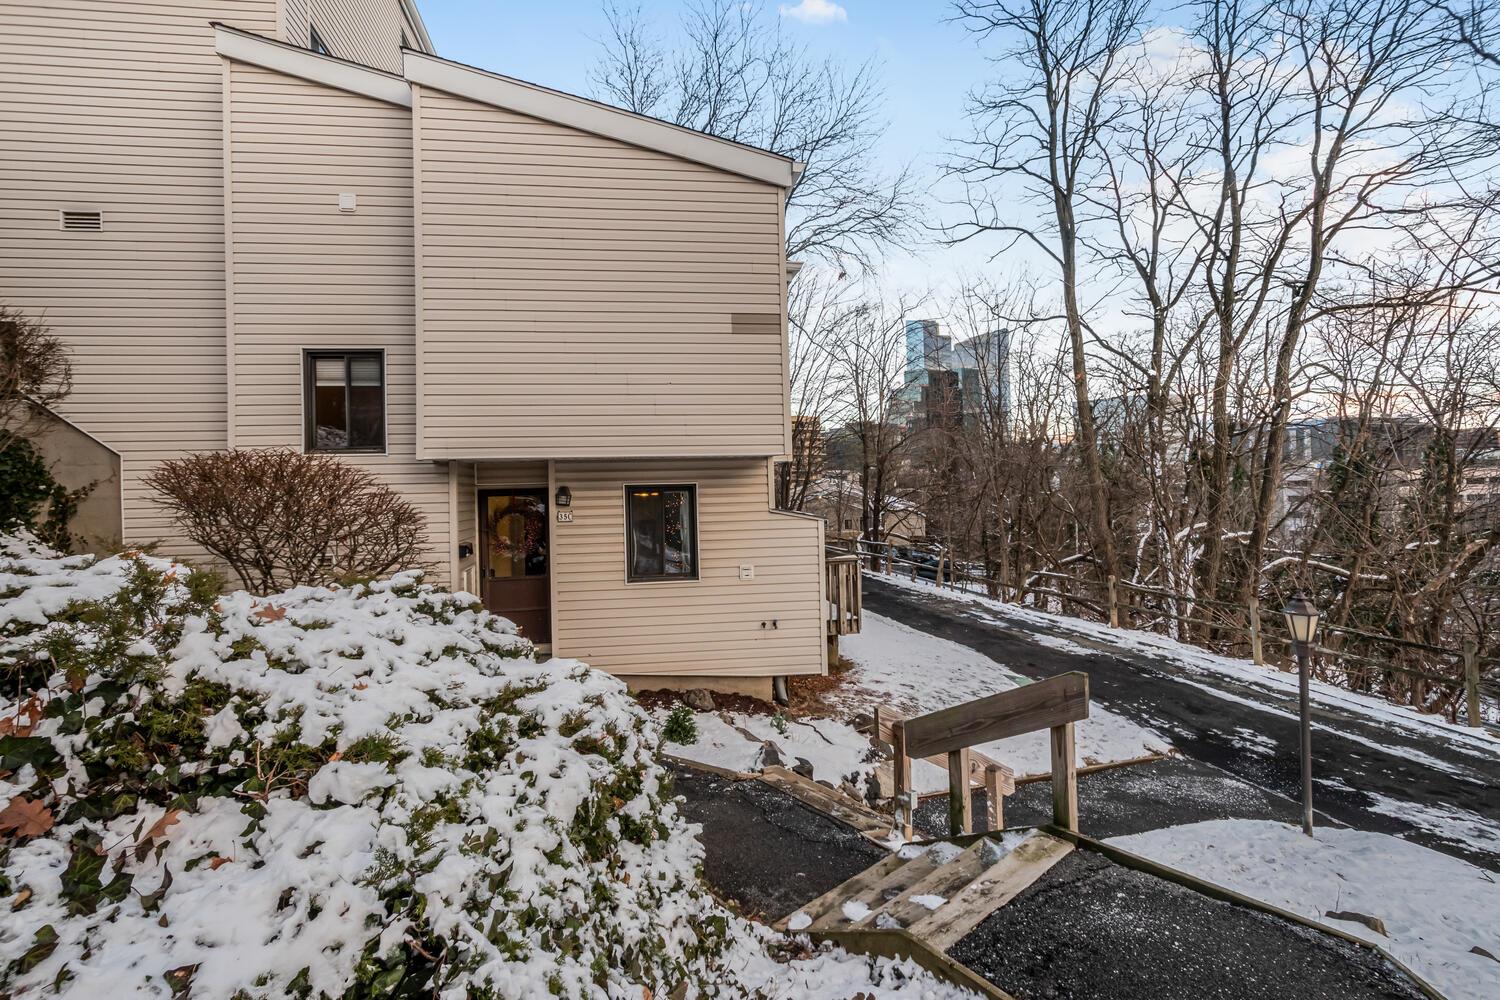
(928, 66)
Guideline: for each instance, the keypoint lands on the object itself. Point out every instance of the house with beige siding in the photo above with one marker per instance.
(555, 326)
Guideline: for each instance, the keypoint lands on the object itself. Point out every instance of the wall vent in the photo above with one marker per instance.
(81, 221)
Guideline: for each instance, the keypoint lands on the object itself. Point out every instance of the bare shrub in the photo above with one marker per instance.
(279, 518)
(35, 374)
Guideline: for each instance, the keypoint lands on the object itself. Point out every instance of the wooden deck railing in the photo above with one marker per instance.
(845, 606)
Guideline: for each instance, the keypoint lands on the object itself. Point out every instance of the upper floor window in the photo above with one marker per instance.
(661, 533)
(316, 43)
(344, 401)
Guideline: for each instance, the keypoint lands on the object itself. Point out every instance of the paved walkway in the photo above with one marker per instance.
(1092, 930)
(1087, 930)
(1368, 775)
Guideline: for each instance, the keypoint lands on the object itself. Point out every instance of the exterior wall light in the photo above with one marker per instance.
(564, 497)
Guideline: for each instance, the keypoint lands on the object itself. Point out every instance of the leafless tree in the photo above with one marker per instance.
(726, 72)
(878, 420)
(820, 310)
(281, 518)
(35, 374)
(1036, 128)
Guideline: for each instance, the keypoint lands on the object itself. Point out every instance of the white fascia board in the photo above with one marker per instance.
(599, 119)
(242, 46)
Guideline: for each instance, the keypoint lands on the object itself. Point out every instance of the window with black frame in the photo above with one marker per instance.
(344, 401)
(661, 533)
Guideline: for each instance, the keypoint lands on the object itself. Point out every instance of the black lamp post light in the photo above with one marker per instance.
(1302, 622)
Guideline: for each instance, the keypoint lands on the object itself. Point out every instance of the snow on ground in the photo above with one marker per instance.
(913, 673)
(916, 673)
(311, 792)
(1476, 741)
(835, 749)
(1436, 908)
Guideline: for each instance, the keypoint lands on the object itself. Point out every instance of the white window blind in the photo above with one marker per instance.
(330, 371)
(364, 371)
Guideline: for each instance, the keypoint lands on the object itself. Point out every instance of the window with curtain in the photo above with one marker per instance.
(662, 532)
(344, 401)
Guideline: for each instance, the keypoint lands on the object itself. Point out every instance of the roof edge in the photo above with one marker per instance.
(341, 74)
(600, 119)
(415, 17)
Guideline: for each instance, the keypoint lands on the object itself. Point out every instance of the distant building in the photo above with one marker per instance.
(983, 366)
(948, 382)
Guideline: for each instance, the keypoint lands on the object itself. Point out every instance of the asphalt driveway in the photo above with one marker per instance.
(1368, 774)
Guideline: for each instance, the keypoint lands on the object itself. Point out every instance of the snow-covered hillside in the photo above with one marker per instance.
(342, 792)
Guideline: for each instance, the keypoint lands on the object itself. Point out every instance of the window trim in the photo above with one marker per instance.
(309, 414)
(630, 578)
(315, 41)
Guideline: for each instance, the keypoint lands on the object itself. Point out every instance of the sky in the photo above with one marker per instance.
(928, 65)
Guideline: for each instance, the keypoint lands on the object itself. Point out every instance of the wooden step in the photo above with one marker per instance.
(943, 881)
(870, 897)
(851, 812)
(997, 885)
(832, 901)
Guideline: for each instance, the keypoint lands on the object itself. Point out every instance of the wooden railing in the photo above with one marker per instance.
(998, 780)
(1054, 704)
(1136, 606)
(845, 599)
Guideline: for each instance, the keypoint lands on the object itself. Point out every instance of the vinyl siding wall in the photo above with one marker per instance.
(115, 105)
(306, 276)
(364, 31)
(710, 626)
(577, 295)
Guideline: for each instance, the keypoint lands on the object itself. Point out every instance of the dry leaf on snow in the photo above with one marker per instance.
(270, 613)
(159, 828)
(25, 818)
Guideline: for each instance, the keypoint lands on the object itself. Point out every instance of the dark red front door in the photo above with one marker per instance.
(514, 559)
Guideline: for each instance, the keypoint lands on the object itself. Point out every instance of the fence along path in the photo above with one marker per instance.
(1474, 680)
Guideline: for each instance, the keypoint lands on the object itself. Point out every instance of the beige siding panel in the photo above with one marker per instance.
(362, 31)
(115, 105)
(466, 528)
(511, 474)
(582, 297)
(307, 276)
(710, 626)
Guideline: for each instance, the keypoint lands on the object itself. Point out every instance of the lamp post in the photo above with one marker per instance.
(1302, 622)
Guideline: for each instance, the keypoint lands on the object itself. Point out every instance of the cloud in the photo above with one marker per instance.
(815, 12)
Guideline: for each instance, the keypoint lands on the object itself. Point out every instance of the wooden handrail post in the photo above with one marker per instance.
(960, 804)
(1471, 682)
(1255, 650)
(902, 769)
(1064, 778)
(1114, 602)
(994, 799)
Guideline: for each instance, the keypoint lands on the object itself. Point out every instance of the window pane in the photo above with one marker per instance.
(677, 515)
(347, 404)
(331, 421)
(662, 541)
(517, 535)
(648, 547)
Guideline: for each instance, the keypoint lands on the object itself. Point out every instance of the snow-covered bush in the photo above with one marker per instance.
(358, 792)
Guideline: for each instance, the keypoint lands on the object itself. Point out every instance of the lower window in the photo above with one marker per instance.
(344, 401)
(661, 533)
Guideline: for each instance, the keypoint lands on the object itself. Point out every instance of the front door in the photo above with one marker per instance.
(514, 559)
